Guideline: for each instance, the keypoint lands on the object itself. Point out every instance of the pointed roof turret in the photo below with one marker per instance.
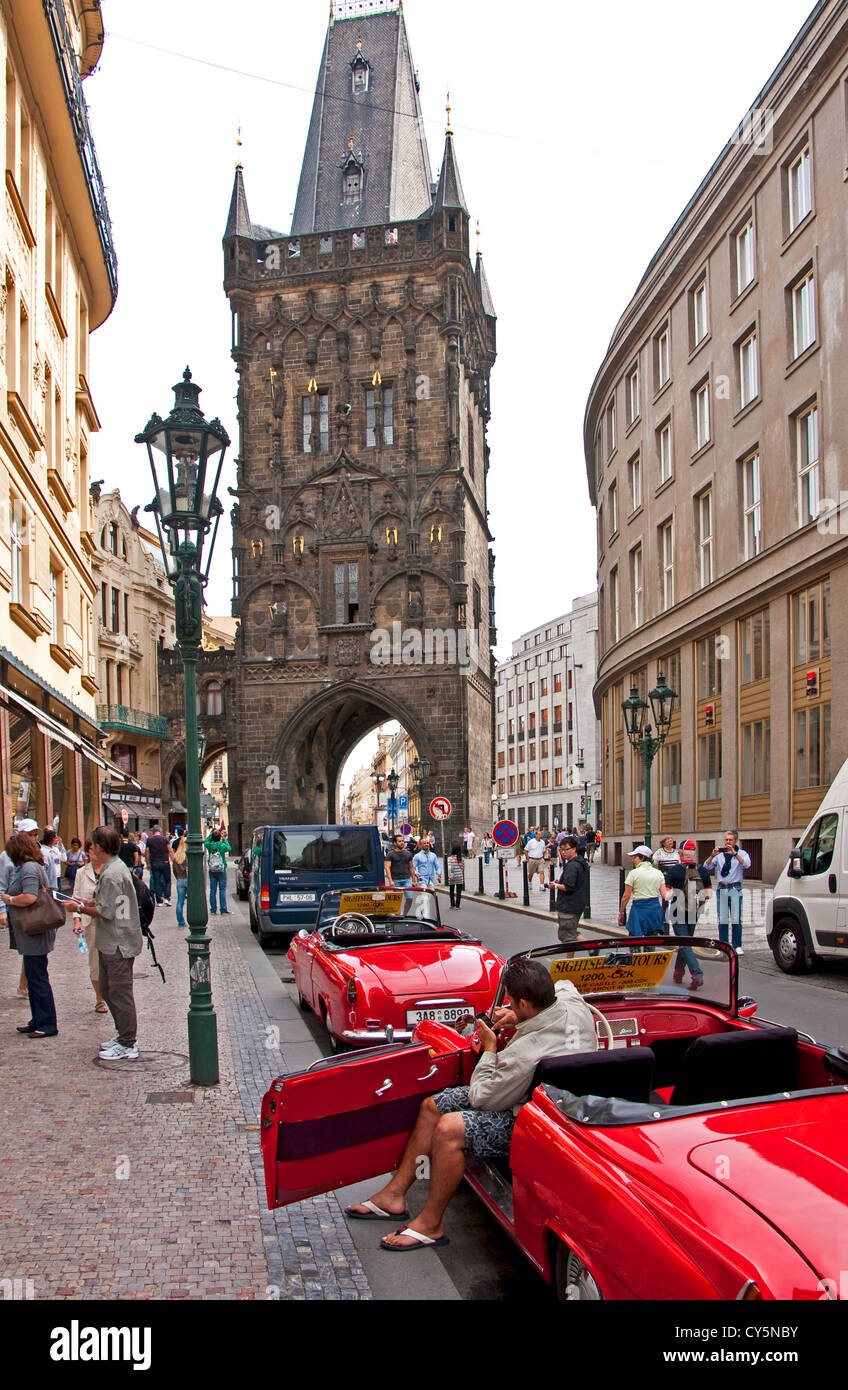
(238, 222)
(449, 193)
(366, 101)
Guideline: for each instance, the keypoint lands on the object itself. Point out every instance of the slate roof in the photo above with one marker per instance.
(483, 285)
(384, 123)
(238, 220)
(449, 193)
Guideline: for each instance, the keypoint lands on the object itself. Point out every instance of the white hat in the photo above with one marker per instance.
(26, 826)
(641, 850)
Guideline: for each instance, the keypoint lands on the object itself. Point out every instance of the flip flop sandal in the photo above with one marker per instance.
(375, 1213)
(101, 1009)
(421, 1242)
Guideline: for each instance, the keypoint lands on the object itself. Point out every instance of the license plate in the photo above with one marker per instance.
(437, 1015)
(296, 898)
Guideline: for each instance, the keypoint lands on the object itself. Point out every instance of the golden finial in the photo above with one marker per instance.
(479, 252)
(238, 147)
(448, 130)
(350, 144)
(359, 43)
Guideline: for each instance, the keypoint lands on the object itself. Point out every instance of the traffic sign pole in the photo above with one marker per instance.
(501, 892)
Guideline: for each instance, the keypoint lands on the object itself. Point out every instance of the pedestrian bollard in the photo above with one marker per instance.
(526, 898)
(481, 892)
(501, 890)
(587, 911)
(552, 907)
(446, 879)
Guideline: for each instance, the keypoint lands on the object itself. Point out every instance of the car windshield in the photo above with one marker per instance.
(412, 905)
(702, 969)
(323, 851)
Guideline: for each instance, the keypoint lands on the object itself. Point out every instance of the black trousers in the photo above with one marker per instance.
(41, 1002)
(455, 894)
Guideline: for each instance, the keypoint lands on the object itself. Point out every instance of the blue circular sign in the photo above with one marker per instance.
(505, 833)
(406, 830)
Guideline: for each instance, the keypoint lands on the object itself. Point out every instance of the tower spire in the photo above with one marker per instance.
(449, 193)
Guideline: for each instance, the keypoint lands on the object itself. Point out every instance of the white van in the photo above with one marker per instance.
(807, 918)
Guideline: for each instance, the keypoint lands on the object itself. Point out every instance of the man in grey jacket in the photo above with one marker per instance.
(479, 1118)
(118, 938)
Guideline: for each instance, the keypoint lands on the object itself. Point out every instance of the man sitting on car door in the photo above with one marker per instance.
(548, 1020)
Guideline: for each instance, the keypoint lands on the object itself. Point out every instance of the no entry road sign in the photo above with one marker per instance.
(440, 808)
(505, 833)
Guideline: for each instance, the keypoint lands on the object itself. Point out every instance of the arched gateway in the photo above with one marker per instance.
(364, 342)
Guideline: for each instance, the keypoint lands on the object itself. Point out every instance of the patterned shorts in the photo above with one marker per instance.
(487, 1132)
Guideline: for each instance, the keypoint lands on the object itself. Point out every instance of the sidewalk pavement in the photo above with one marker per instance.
(605, 898)
(122, 1180)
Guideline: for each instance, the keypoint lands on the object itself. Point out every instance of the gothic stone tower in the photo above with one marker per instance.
(364, 343)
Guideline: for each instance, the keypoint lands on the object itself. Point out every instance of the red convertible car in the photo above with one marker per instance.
(378, 963)
(698, 1154)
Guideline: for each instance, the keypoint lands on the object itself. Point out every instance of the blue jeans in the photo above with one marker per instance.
(182, 889)
(41, 1002)
(729, 902)
(402, 882)
(160, 881)
(646, 918)
(218, 880)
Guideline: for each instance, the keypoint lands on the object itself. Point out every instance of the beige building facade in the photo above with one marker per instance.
(715, 439)
(57, 283)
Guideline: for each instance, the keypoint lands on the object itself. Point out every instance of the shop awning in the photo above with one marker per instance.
(141, 810)
(66, 737)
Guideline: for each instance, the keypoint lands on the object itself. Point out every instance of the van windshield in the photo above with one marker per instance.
(323, 851)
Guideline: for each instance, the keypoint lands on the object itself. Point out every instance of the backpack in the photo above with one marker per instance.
(146, 904)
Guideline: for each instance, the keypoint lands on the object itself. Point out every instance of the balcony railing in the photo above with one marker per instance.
(132, 721)
(68, 62)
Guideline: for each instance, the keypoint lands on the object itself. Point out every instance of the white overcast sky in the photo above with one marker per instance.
(565, 115)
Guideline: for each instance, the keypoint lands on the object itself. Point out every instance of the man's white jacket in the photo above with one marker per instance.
(501, 1080)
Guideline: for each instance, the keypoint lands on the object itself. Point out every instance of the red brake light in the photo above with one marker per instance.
(351, 992)
(265, 897)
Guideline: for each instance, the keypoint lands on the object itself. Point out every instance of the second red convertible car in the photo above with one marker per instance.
(698, 1154)
(378, 963)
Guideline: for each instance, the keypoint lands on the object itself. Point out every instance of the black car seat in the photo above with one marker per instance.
(731, 1066)
(626, 1072)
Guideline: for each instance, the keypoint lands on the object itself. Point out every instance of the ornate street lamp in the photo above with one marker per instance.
(186, 454)
(377, 779)
(420, 770)
(640, 734)
(392, 783)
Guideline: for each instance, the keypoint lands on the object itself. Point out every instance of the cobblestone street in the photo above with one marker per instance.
(123, 1181)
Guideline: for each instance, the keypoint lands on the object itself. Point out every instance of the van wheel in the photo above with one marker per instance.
(789, 948)
(574, 1283)
(265, 938)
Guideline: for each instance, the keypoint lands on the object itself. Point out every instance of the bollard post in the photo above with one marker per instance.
(587, 911)
(526, 896)
(501, 890)
(481, 891)
(552, 904)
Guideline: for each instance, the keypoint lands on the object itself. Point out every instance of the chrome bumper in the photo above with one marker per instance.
(375, 1037)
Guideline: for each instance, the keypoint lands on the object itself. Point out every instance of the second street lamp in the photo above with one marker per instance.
(186, 454)
(642, 741)
(392, 783)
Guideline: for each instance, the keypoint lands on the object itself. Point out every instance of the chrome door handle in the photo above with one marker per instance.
(431, 1072)
(386, 1086)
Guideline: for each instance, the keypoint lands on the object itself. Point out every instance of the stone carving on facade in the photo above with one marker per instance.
(347, 652)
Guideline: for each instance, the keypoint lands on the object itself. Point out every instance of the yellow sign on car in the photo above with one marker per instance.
(371, 904)
(596, 975)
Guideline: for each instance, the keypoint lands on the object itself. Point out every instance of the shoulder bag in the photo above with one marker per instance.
(45, 914)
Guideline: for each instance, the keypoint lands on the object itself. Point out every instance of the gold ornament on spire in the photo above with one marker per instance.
(448, 129)
(238, 147)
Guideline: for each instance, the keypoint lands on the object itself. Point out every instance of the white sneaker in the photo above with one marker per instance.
(739, 951)
(115, 1052)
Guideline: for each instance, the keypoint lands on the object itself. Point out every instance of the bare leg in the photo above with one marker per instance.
(392, 1197)
(447, 1168)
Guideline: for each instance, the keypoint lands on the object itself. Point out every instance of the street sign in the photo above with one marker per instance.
(406, 829)
(440, 808)
(505, 833)
(124, 815)
(506, 851)
(403, 803)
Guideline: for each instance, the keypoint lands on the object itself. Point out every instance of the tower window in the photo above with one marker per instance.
(346, 593)
(361, 74)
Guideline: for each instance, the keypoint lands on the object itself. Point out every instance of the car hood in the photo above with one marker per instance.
(796, 1178)
(410, 969)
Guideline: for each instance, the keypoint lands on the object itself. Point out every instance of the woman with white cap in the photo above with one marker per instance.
(643, 885)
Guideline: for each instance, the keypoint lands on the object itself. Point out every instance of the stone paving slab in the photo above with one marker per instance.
(107, 1191)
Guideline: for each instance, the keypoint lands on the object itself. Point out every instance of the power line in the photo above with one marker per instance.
(391, 110)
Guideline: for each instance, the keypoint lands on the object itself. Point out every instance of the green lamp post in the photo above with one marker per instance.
(420, 770)
(392, 782)
(642, 740)
(186, 455)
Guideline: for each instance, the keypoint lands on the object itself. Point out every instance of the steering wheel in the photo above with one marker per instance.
(361, 925)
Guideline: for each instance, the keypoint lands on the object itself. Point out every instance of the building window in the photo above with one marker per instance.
(510, 698)
(611, 428)
(704, 506)
(702, 416)
(634, 469)
(16, 537)
(558, 683)
(123, 755)
(812, 747)
(752, 505)
(756, 758)
(543, 686)
(699, 314)
(664, 451)
(115, 623)
(756, 647)
(308, 419)
(387, 432)
(807, 447)
(811, 623)
(54, 605)
(615, 615)
(800, 189)
(749, 371)
(346, 593)
(803, 314)
(522, 782)
(521, 694)
(709, 767)
(709, 667)
(613, 509)
(360, 70)
(746, 264)
(512, 786)
(352, 186)
(636, 584)
(633, 396)
(662, 357)
(214, 698)
(672, 782)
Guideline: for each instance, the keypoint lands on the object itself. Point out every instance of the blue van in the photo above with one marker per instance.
(292, 865)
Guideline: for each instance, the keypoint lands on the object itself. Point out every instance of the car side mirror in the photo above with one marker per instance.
(747, 1007)
(793, 868)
